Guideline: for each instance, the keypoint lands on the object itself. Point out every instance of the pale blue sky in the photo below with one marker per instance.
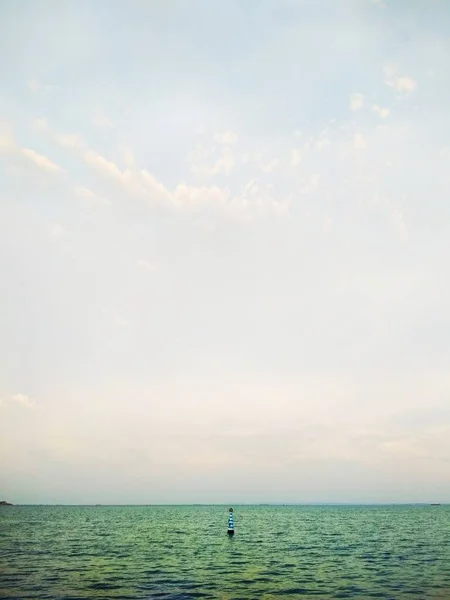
(224, 247)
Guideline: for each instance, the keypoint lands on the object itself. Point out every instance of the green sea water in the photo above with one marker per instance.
(182, 552)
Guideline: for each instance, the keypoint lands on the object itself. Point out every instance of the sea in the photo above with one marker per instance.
(183, 552)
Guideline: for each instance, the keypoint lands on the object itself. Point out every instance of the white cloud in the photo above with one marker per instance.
(356, 101)
(102, 164)
(382, 112)
(226, 137)
(225, 163)
(88, 195)
(204, 166)
(406, 84)
(41, 161)
(258, 199)
(188, 197)
(23, 400)
(403, 83)
(142, 184)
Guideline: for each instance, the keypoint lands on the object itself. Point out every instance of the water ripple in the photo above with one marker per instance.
(175, 553)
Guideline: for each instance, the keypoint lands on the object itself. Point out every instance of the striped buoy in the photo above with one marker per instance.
(230, 522)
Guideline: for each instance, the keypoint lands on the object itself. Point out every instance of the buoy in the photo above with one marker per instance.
(230, 522)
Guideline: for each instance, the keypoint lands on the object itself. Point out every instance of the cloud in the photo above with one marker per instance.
(225, 163)
(10, 146)
(41, 161)
(403, 84)
(406, 84)
(89, 196)
(140, 183)
(356, 101)
(226, 137)
(254, 198)
(103, 165)
(21, 399)
(382, 112)
(204, 165)
(259, 199)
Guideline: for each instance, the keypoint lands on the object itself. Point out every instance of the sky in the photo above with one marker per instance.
(224, 248)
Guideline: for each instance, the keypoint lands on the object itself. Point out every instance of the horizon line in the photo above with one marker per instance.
(319, 503)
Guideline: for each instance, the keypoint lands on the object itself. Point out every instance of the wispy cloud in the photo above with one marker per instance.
(205, 164)
(140, 183)
(18, 399)
(41, 161)
(89, 196)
